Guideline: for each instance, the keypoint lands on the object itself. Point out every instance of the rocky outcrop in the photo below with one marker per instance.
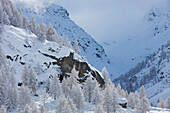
(67, 63)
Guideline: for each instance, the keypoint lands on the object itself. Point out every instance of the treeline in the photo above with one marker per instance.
(131, 82)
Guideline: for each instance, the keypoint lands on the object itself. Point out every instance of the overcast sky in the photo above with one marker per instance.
(107, 19)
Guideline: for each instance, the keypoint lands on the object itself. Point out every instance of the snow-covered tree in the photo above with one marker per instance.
(136, 98)
(63, 106)
(33, 25)
(11, 98)
(27, 109)
(111, 103)
(72, 105)
(55, 88)
(142, 92)
(32, 81)
(161, 103)
(51, 33)
(167, 103)
(99, 109)
(42, 33)
(67, 43)
(25, 22)
(97, 97)
(131, 100)
(143, 105)
(3, 86)
(78, 97)
(119, 90)
(73, 78)
(76, 47)
(11, 95)
(89, 88)
(24, 97)
(106, 77)
(44, 107)
(26, 75)
(65, 87)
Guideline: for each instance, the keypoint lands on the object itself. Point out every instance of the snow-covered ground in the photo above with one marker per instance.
(59, 18)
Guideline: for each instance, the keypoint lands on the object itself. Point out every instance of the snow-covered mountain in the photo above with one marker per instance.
(140, 41)
(59, 18)
(153, 73)
(21, 46)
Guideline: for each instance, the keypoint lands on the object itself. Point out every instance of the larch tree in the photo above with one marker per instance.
(32, 81)
(11, 98)
(78, 97)
(51, 33)
(72, 105)
(44, 107)
(73, 78)
(143, 105)
(161, 103)
(76, 47)
(110, 102)
(42, 33)
(26, 75)
(167, 103)
(97, 97)
(119, 89)
(89, 88)
(24, 97)
(66, 87)
(131, 100)
(25, 22)
(106, 77)
(63, 106)
(136, 98)
(55, 88)
(32, 25)
(99, 109)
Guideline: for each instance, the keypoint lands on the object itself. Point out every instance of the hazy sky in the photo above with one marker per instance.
(107, 18)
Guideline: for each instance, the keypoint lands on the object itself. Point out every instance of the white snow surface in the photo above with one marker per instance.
(59, 18)
(13, 40)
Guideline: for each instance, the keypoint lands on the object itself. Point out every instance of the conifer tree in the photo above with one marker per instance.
(78, 97)
(97, 97)
(167, 103)
(88, 89)
(44, 107)
(99, 109)
(55, 88)
(26, 75)
(63, 106)
(143, 105)
(161, 103)
(32, 81)
(76, 47)
(131, 100)
(24, 97)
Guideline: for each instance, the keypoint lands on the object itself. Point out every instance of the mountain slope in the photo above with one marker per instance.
(21, 46)
(140, 41)
(153, 73)
(59, 18)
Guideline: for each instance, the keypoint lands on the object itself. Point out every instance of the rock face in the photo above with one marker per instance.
(67, 63)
